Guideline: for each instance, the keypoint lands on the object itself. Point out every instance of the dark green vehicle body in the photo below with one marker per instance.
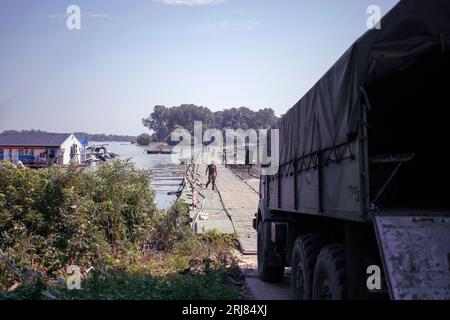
(363, 146)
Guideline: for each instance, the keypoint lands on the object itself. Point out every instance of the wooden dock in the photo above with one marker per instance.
(241, 203)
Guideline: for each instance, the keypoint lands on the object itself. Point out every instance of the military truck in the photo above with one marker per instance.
(359, 207)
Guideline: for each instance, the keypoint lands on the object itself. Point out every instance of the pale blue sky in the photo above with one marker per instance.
(132, 55)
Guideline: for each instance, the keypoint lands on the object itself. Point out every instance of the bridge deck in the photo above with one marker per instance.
(230, 209)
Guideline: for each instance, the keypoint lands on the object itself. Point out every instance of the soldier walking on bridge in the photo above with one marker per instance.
(211, 171)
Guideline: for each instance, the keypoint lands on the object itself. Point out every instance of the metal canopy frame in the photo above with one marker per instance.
(382, 159)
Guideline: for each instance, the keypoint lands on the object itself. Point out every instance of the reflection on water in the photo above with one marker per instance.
(167, 176)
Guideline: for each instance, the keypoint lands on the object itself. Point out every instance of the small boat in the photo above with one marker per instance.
(158, 151)
(99, 153)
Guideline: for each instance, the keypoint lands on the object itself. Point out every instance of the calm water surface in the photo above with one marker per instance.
(167, 176)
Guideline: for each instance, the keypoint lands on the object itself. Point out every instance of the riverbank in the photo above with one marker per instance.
(167, 176)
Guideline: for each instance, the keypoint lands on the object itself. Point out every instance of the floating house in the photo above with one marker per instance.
(40, 148)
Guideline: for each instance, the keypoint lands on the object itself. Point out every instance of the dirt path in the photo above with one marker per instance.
(258, 289)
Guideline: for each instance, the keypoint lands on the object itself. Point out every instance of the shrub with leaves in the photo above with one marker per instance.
(105, 221)
(53, 217)
(169, 227)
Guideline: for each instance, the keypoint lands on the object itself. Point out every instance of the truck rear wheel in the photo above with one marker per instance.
(329, 281)
(304, 256)
(265, 271)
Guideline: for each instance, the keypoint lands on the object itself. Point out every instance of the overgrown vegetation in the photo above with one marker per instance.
(106, 223)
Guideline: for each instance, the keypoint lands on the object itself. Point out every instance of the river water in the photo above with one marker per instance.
(167, 176)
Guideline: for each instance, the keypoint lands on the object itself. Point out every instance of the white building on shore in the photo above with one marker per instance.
(40, 147)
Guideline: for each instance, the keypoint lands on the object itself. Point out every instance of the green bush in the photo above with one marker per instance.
(170, 227)
(105, 221)
(53, 217)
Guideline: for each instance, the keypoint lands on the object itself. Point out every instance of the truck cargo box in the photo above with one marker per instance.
(338, 152)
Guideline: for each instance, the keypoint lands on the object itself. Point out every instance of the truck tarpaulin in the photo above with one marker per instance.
(328, 114)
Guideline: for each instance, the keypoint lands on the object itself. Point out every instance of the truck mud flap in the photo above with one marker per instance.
(416, 256)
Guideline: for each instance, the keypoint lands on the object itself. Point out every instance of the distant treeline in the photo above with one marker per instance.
(104, 137)
(162, 121)
(83, 135)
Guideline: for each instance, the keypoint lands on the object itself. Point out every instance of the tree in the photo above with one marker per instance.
(164, 120)
(144, 139)
(158, 121)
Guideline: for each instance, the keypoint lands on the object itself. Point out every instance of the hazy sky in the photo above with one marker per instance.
(132, 55)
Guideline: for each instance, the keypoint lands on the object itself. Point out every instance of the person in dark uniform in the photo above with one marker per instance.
(211, 171)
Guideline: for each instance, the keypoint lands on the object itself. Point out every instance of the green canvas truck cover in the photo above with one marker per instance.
(328, 114)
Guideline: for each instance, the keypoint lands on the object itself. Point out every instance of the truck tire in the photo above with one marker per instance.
(304, 256)
(329, 281)
(265, 272)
